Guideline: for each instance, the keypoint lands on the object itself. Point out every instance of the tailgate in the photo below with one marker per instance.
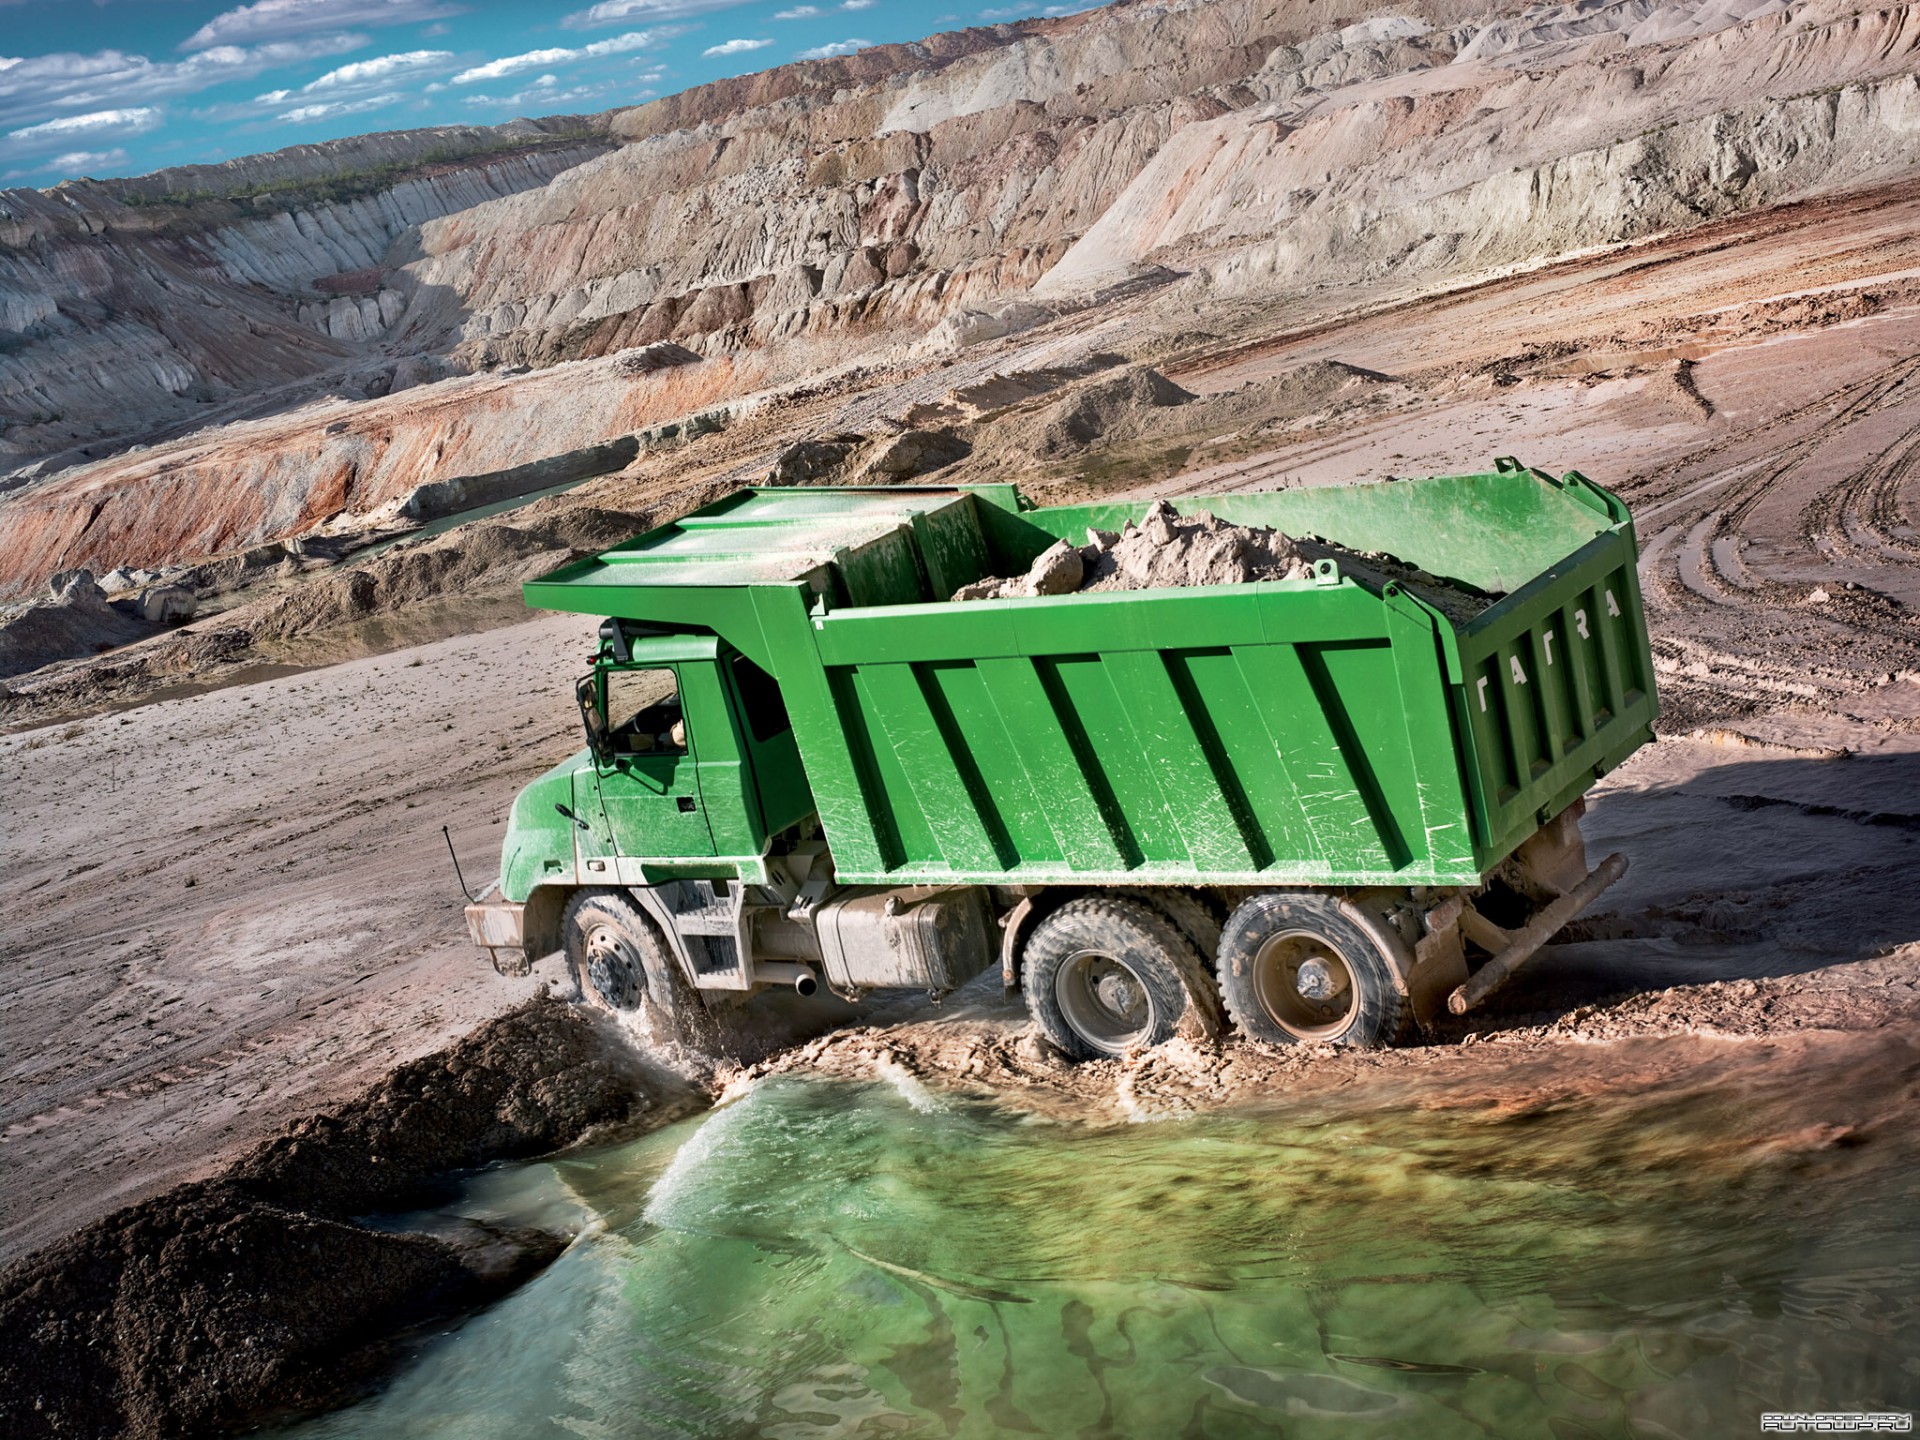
(1556, 688)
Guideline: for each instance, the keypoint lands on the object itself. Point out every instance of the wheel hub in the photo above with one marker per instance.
(1305, 986)
(614, 970)
(1119, 992)
(1314, 980)
(1103, 1001)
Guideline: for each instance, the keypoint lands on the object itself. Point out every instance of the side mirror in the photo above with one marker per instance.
(586, 691)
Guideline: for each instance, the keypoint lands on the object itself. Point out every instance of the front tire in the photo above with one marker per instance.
(622, 966)
(1294, 970)
(1102, 977)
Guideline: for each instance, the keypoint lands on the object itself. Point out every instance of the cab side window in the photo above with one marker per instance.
(643, 713)
(760, 700)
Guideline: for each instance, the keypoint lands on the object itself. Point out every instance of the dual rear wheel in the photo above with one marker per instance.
(1108, 974)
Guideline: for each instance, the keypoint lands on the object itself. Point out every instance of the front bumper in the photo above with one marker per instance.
(499, 927)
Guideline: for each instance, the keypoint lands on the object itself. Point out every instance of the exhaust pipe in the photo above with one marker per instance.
(801, 977)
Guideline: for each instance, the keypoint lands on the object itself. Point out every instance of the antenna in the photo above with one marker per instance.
(447, 835)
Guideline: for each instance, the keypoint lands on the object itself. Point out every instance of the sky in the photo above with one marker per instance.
(122, 87)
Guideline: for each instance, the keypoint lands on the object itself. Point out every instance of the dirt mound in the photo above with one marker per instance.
(198, 1312)
(823, 460)
(915, 452)
(221, 1302)
(1110, 409)
(1163, 550)
(44, 633)
(463, 561)
(1166, 550)
(1319, 385)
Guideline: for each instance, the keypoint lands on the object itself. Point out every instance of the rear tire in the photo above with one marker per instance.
(1102, 977)
(1200, 918)
(1197, 918)
(621, 964)
(1294, 970)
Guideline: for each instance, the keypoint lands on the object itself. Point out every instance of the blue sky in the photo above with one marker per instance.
(121, 87)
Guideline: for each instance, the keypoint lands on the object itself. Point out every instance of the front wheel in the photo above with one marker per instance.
(621, 964)
(1294, 970)
(1103, 977)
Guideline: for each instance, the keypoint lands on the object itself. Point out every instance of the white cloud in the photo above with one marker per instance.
(75, 161)
(837, 47)
(540, 59)
(543, 94)
(1018, 12)
(736, 47)
(512, 64)
(327, 109)
(798, 12)
(372, 72)
(272, 18)
(31, 88)
(100, 122)
(858, 4)
(615, 12)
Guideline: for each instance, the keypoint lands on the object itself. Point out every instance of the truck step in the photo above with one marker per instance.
(714, 920)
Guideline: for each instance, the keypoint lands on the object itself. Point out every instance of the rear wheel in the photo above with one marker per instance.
(1104, 976)
(1294, 970)
(1199, 917)
(622, 965)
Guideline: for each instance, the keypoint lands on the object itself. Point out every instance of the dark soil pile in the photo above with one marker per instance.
(227, 1301)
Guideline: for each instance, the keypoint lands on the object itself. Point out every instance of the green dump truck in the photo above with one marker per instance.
(1320, 800)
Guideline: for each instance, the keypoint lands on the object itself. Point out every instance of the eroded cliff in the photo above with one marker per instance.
(860, 212)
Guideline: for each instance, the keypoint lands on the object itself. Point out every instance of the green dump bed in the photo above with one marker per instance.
(1320, 731)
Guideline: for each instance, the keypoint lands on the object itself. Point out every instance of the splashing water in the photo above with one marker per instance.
(827, 1259)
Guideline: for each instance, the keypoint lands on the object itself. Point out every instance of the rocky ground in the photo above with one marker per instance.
(227, 900)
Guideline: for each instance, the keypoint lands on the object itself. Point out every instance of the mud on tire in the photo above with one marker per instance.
(1103, 976)
(1200, 917)
(1294, 970)
(621, 965)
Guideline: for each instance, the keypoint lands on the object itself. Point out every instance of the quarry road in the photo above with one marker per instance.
(233, 908)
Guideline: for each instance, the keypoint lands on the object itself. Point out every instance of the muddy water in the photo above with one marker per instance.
(825, 1258)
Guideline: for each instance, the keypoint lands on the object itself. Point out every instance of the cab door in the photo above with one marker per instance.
(649, 780)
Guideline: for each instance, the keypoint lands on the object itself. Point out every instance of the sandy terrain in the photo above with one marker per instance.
(226, 910)
(225, 902)
(1746, 386)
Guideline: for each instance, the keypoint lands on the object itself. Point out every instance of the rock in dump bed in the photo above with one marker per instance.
(1164, 550)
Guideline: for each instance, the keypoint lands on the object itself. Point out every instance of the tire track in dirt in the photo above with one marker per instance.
(1738, 623)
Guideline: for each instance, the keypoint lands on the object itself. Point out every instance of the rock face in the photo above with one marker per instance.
(167, 604)
(920, 201)
(76, 619)
(121, 307)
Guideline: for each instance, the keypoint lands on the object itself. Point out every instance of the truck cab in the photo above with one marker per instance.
(692, 756)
